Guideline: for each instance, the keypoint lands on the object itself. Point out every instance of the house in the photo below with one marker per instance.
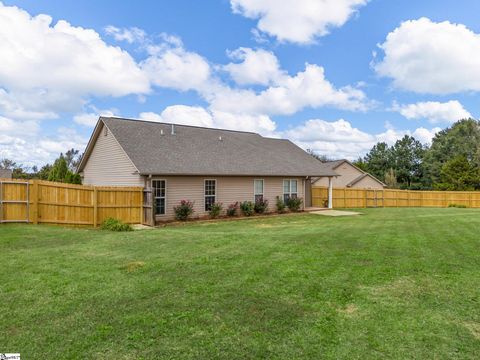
(199, 164)
(350, 176)
(5, 174)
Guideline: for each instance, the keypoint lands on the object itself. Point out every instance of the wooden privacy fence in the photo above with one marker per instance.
(361, 198)
(47, 202)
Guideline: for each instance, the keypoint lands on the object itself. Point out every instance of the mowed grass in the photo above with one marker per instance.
(392, 283)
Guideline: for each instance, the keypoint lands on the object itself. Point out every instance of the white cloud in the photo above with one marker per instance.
(25, 105)
(181, 114)
(428, 57)
(290, 94)
(199, 116)
(50, 67)
(261, 124)
(21, 141)
(340, 131)
(171, 66)
(422, 134)
(297, 21)
(6, 124)
(65, 139)
(89, 119)
(129, 35)
(425, 136)
(339, 139)
(10, 127)
(256, 67)
(433, 111)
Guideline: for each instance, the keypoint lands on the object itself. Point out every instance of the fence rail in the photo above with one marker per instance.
(38, 202)
(361, 198)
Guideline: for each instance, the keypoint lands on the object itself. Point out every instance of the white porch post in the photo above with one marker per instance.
(330, 192)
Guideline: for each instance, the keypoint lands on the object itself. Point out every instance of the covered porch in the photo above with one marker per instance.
(309, 194)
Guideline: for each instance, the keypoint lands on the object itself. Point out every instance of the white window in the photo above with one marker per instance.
(210, 193)
(159, 189)
(290, 189)
(258, 190)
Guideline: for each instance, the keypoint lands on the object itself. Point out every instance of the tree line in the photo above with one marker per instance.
(61, 170)
(451, 162)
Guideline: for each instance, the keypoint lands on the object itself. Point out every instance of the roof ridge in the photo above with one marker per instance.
(190, 126)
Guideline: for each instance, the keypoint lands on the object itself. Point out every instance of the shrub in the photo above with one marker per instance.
(215, 210)
(113, 224)
(184, 210)
(294, 204)
(460, 206)
(247, 208)
(232, 209)
(280, 204)
(260, 206)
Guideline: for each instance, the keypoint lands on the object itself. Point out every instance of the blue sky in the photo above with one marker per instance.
(335, 78)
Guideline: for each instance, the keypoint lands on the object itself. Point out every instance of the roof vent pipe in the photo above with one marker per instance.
(173, 129)
(161, 131)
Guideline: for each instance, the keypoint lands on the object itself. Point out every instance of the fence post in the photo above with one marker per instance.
(95, 206)
(34, 199)
(1, 202)
(140, 219)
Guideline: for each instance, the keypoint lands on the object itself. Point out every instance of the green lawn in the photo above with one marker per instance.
(393, 283)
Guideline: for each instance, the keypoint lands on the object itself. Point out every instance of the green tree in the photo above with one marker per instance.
(61, 173)
(8, 164)
(361, 164)
(59, 170)
(407, 155)
(379, 160)
(391, 179)
(18, 170)
(73, 158)
(44, 172)
(459, 174)
(322, 158)
(461, 139)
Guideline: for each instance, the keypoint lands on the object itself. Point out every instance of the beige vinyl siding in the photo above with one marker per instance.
(368, 183)
(109, 165)
(229, 190)
(348, 173)
(5, 174)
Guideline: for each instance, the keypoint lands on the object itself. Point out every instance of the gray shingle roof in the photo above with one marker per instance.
(333, 164)
(5, 174)
(205, 151)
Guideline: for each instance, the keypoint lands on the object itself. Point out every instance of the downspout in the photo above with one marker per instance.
(150, 200)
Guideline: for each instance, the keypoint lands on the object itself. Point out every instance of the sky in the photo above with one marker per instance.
(334, 76)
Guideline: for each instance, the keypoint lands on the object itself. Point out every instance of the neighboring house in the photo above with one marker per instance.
(199, 164)
(5, 174)
(350, 177)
